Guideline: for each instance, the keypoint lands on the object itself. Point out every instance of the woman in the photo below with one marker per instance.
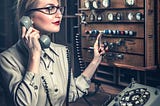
(34, 76)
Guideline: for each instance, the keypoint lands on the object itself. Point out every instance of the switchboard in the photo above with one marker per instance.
(127, 28)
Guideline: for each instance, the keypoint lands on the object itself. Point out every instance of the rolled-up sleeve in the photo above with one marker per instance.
(82, 83)
(79, 87)
(23, 88)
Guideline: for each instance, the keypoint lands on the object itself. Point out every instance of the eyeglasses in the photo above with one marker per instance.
(50, 10)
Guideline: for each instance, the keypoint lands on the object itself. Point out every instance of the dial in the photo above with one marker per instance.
(135, 97)
(130, 2)
(106, 3)
(86, 4)
(139, 16)
(130, 16)
(95, 5)
(110, 17)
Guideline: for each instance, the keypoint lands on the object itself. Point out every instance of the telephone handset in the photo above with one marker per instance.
(44, 39)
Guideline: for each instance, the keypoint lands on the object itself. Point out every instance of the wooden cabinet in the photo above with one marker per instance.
(128, 30)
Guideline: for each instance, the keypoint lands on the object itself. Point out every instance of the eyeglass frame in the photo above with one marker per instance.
(49, 8)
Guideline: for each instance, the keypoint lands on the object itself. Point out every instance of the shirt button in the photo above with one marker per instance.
(56, 90)
(35, 87)
(51, 73)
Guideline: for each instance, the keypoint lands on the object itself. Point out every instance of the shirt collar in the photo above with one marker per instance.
(50, 51)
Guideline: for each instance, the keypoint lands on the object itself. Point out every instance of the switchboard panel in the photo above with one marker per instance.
(127, 28)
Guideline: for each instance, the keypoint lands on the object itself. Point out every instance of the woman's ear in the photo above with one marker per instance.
(31, 17)
(32, 21)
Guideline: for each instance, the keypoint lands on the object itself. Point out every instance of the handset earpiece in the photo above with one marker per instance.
(44, 39)
(26, 22)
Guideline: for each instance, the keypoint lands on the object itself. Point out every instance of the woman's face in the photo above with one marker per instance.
(46, 23)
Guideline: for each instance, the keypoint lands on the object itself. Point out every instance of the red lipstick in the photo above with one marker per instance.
(56, 23)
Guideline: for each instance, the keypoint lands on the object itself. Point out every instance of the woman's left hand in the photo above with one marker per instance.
(99, 49)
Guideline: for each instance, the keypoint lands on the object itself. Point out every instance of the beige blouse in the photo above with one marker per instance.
(29, 89)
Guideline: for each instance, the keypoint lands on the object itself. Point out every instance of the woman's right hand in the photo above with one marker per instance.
(30, 38)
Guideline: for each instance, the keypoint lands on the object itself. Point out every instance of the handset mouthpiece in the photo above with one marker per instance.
(45, 41)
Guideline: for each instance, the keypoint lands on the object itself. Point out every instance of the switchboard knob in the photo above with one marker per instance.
(126, 32)
(92, 17)
(95, 4)
(110, 17)
(94, 32)
(99, 17)
(130, 16)
(139, 16)
(114, 32)
(106, 3)
(131, 33)
(130, 2)
(118, 32)
(107, 32)
(87, 32)
(87, 4)
(122, 32)
(118, 16)
(83, 18)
